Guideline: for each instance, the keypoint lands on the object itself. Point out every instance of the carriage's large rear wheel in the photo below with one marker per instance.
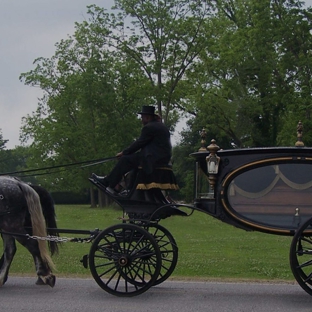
(301, 256)
(168, 250)
(125, 260)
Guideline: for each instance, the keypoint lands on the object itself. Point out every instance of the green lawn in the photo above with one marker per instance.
(208, 248)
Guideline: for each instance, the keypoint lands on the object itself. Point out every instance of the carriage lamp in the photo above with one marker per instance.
(213, 162)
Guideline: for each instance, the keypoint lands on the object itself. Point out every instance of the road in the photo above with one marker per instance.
(20, 294)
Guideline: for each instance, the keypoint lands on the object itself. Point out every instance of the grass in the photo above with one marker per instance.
(208, 248)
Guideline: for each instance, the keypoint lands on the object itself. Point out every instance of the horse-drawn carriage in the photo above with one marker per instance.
(255, 189)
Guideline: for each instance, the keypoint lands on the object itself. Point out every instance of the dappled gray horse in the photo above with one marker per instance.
(26, 210)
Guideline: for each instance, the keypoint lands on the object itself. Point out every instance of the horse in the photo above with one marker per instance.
(27, 210)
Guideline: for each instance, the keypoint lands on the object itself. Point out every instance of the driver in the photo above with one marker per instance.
(152, 148)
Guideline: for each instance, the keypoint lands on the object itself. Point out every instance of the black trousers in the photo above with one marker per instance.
(125, 164)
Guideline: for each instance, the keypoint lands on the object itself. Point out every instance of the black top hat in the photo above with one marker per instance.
(148, 110)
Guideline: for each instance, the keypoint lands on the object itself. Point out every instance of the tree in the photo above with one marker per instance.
(251, 85)
(87, 94)
(295, 51)
(248, 78)
(2, 141)
(183, 163)
(163, 38)
(6, 161)
(13, 160)
(240, 67)
(102, 75)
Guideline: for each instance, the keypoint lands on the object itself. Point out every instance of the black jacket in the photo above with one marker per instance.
(154, 145)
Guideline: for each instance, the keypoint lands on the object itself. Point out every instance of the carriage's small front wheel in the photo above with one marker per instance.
(168, 250)
(301, 256)
(125, 260)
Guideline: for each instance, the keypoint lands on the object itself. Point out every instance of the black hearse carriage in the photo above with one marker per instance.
(264, 189)
(261, 189)
(255, 189)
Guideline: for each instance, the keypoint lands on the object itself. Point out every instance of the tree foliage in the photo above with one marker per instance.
(254, 79)
(99, 78)
(87, 109)
(252, 84)
(2, 141)
(239, 68)
(164, 38)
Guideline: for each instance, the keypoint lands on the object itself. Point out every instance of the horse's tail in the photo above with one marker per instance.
(48, 210)
(37, 221)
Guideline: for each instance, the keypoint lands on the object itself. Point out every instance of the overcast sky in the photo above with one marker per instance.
(29, 29)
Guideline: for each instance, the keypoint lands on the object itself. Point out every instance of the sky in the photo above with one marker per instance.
(29, 29)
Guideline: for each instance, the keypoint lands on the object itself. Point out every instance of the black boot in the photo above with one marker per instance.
(102, 180)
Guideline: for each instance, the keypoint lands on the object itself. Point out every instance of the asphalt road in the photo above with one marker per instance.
(20, 294)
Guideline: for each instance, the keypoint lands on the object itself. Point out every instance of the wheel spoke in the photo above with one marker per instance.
(151, 268)
(102, 265)
(308, 278)
(117, 282)
(134, 276)
(305, 264)
(306, 239)
(113, 275)
(116, 241)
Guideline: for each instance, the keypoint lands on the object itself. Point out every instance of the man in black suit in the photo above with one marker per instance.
(153, 147)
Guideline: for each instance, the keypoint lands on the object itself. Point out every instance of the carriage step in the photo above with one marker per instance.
(84, 261)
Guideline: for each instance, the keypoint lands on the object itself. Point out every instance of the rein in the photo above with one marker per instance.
(84, 163)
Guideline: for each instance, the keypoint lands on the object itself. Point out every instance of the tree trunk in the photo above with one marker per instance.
(101, 199)
(92, 196)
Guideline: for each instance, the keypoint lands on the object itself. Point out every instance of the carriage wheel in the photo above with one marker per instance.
(168, 250)
(125, 260)
(301, 256)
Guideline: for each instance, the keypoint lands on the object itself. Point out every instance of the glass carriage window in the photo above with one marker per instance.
(278, 195)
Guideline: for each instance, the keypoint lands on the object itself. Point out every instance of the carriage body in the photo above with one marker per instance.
(263, 189)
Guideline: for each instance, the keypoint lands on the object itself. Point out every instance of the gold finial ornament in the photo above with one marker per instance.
(203, 135)
(212, 163)
(299, 142)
